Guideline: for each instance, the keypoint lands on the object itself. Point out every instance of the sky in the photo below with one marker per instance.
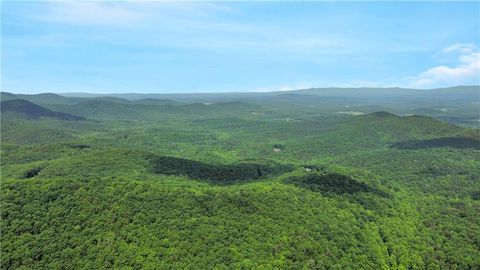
(166, 47)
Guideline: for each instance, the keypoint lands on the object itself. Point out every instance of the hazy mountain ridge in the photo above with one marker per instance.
(456, 104)
(33, 111)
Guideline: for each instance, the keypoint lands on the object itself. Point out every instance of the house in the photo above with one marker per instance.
(313, 168)
(278, 147)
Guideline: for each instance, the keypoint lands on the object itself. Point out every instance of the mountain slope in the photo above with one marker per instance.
(31, 110)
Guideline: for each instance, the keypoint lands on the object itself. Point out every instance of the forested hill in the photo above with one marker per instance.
(31, 110)
(269, 181)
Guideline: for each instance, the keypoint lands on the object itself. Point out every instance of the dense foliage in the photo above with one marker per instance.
(159, 184)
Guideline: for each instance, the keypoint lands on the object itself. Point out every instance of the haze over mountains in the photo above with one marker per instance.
(458, 92)
(456, 104)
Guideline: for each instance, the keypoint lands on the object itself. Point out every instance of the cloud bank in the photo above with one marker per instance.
(465, 72)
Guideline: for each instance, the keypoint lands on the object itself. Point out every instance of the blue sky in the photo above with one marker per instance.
(107, 47)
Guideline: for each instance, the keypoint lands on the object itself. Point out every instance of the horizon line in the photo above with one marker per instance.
(236, 92)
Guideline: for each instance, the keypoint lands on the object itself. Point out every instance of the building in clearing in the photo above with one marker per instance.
(313, 168)
(278, 147)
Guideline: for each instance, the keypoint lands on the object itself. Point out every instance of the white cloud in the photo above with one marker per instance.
(465, 72)
(284, 88)
(184, 25)
(460, 47)
(297, 86)
(91, 13)
(129, 13)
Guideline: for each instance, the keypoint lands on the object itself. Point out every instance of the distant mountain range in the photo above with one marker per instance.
(458, 105)
(458, 91)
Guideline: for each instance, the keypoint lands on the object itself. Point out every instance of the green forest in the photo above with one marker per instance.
(295, 180)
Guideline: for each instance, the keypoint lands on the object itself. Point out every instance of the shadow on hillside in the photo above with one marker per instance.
(31, 173)
(216, 173)
(333, 183)
(452, 142)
